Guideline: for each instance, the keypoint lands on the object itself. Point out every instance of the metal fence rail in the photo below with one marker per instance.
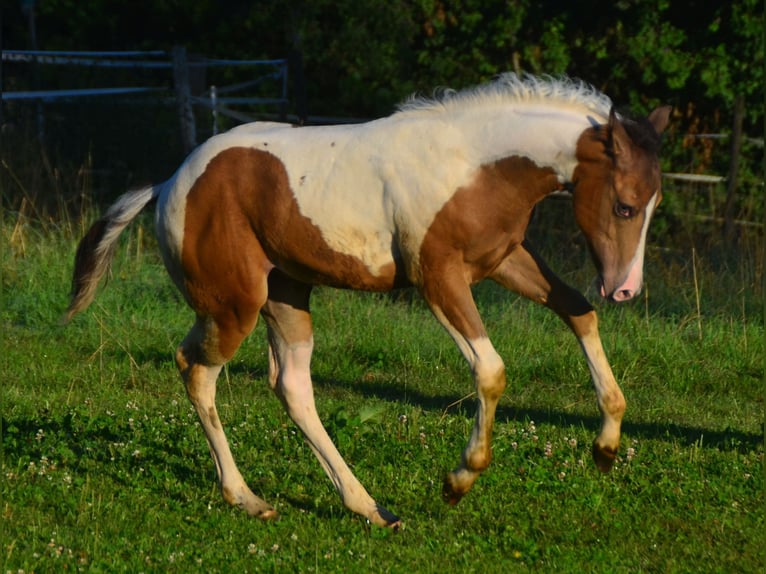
(275, 70)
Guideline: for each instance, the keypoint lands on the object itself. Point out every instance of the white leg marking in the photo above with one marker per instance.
(201, 386)
(294, 387)
(611, 401)
(489, 377)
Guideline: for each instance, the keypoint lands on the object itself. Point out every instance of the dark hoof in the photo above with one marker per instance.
(603, 457)
(391, 520)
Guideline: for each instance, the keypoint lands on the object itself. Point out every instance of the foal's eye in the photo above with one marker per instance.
(624, 210)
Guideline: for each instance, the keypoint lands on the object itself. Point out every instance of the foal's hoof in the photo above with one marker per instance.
(385, 518)
(258, 508)
(268, 515)
(603, 457)
(452, 492)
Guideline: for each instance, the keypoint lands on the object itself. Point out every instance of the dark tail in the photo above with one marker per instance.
(96, 249)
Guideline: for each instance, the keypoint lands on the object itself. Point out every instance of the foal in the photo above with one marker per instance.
(437, 196)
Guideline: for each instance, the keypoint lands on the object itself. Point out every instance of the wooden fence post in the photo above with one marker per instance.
(731, 185)
(183, 99)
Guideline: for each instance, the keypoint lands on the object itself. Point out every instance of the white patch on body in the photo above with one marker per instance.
(368, 186)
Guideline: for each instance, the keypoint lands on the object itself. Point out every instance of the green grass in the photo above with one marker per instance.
(105, 467)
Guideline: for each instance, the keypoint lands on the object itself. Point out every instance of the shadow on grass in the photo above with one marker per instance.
(106, 444)
(729, 439)
(87, 442)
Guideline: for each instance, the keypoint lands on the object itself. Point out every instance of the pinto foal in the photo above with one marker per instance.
(437, 196)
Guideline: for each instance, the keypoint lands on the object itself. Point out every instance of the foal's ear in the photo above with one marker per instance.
(618, 140)
(659, 118)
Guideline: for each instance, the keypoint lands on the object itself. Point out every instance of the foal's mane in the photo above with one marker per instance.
(510, 88)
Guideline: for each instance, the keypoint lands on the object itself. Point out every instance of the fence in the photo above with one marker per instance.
(183, 83)
(217, 99)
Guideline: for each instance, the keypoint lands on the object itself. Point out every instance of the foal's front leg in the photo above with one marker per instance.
(526, 273)
(450, 299)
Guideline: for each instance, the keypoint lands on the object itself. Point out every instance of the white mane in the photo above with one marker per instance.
(511, 89)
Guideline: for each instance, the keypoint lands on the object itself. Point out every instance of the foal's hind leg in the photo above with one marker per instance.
(199, 361)
(290, 344)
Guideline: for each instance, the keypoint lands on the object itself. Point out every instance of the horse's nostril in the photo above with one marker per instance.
(623, 295)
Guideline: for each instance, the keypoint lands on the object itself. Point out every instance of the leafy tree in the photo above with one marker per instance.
(361, 57)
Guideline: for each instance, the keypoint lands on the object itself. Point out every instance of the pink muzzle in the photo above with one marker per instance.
(629, 288)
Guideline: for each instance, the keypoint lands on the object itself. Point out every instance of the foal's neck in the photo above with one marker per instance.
(545, 134)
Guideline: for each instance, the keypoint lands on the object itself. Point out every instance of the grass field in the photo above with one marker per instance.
(105, 468)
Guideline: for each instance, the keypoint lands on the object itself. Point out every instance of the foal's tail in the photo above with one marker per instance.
(96, 249)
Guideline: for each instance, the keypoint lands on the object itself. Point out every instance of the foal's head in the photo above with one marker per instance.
(616, 189)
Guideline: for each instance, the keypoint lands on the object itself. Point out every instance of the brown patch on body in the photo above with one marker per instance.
(485, 220)
(477, 228)
(242, 220)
